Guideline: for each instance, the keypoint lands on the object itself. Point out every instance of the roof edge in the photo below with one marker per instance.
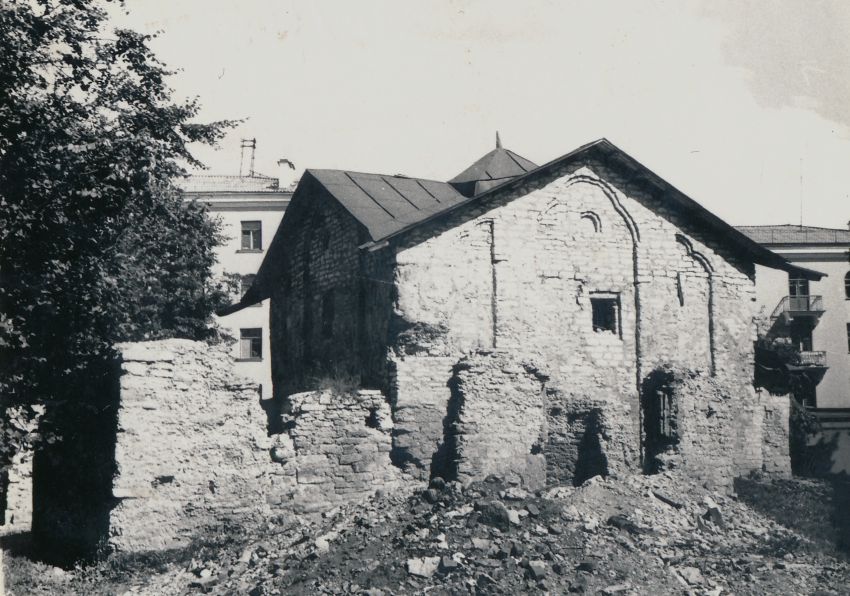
(759, 254)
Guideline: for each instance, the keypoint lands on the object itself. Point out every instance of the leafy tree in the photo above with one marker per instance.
(96, 244)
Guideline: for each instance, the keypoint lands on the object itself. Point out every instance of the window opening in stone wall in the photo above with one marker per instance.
(252, 235)
(251, 343)
(660, 420)
(328, 314)
(848, 338)
(847, 285)
(606, 314)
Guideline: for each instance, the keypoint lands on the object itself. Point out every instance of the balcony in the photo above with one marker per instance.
(810, 359)
(793, 307)
(812, 365)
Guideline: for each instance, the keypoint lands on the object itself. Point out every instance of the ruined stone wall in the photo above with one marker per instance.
(587, 233)
(722, 435)
(191, 446)
(776, 456)
(586, 437)
(420, 397)
(498, 420)
(506, 418)
(339, 448)
(18, 514)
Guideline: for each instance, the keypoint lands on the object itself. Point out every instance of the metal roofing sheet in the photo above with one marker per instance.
(385, 195)
(387, 204)
(793, 234)
(498, 163)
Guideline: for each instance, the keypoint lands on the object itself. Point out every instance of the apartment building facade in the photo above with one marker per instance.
(250, 209)
(815, 315)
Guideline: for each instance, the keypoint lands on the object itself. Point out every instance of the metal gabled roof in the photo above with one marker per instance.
(795, 234)
(387, 204)
(389, 207)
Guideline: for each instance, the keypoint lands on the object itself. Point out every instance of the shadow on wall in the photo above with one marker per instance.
(818, 509)
(444, 461)
(72, 478)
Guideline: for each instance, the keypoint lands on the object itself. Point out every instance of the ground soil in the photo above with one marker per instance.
(658, 534)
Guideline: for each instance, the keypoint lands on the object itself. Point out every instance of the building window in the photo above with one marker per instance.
(847, 285)
(848, 338)
(606, 314)
(245, 284)
(328, 314)
(252, 235)
(251, 344)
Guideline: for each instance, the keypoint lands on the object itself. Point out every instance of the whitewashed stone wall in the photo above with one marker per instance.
(498, 420)
(18, 515)
(519, 274)
(340, 448)
(191, 447)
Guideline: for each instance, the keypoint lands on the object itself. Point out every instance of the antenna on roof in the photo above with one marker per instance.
(498, 141)
(801, 193)
(247, 144)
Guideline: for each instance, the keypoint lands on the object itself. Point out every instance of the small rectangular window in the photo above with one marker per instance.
(252, 235)
(251, 344)
(606, 315)
(848, 338)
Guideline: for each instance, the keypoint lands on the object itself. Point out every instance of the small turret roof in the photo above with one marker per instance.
(496, 167)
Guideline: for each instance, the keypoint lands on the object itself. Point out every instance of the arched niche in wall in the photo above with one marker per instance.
(697, 266)
(592, 219)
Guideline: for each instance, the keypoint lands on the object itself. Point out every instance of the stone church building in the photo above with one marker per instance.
(549, 322)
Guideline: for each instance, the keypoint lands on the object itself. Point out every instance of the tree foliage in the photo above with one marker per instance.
(96, 243)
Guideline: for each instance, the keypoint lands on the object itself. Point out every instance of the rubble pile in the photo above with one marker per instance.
(628, 535)
(620, 535)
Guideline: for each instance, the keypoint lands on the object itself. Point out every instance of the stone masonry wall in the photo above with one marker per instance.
(723, 436)
(18, 514)
(506, 418)
(498, 425)
(191, 447)
(587, 233)
(320, 299)
(420, 399)
(586, 436)
(340, 448)
(776, 456)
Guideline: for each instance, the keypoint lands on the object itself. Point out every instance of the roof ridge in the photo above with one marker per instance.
(379, 175)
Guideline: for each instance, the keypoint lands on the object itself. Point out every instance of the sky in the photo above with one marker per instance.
(741, 104)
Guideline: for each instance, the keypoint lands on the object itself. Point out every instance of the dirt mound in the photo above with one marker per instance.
(660, 534)
(631, 535)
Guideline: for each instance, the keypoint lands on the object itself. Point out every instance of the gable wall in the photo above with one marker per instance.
(520, 277)
(320, 263)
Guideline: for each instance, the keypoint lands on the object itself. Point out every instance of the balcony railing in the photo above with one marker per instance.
(797, 306)
(814, 359)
